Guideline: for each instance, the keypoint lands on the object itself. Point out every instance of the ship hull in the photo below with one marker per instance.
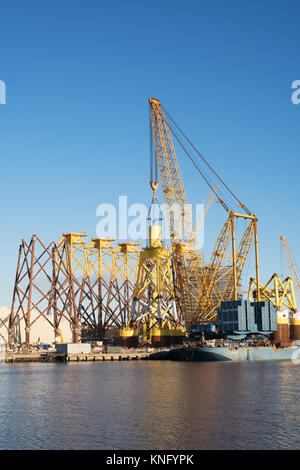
(230, 354)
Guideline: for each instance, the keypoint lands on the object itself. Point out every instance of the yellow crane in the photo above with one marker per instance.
(291, 264)
(188, 262)
(201, 287)
(61, 336)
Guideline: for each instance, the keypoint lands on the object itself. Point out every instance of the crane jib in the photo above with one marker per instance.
(202, 287)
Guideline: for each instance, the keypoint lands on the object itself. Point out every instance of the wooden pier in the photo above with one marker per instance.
(56, 357)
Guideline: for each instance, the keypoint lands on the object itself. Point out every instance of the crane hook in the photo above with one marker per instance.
(154, 186)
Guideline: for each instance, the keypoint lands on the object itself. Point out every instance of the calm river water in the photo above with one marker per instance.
(150, 405)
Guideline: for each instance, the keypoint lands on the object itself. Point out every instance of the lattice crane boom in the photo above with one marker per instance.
(187, 257)
(180, 220)
(197, 283)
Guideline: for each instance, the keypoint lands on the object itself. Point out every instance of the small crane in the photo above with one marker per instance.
(291, 264)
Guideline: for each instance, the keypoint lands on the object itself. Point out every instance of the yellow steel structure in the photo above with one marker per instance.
(126, 257)
(153, 304)
(71, 254)
(102, 281)
(100, 257)
(198, 285)
(279, 292)
(109, 283)
(291, 264)
(76, 243)
(94, 302)
(224, 271)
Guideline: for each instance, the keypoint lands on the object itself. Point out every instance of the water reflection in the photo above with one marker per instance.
(150, 405)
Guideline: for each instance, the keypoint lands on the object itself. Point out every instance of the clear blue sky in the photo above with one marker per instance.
(75, 131)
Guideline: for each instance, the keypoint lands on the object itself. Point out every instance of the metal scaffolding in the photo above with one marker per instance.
(88, 284)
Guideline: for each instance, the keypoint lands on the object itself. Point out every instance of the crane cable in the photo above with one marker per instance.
(222, 199)
(153, 161)
(207, 164)
(224, 195)
(195, 164)
(151, 150)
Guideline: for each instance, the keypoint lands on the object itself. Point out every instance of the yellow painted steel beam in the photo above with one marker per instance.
(279, 292)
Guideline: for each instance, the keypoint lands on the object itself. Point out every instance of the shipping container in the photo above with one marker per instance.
(73, 348)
